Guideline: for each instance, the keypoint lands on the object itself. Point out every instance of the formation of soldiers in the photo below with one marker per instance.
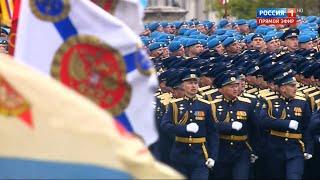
(237, 100)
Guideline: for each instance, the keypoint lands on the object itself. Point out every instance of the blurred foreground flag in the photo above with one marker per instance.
(70, 137)
(128, 11)
(92, 52)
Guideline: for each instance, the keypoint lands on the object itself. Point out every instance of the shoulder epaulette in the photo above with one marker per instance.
(272, 97)
(314, 93)
(249, 95)
(165, 101)
(216, 101)
(302, 88)
(199, 96)
(300, 98)
(253, 90)
(157, 94)
(204, 88)
(219, 96)
(268, 94)
(210, 91)
(243, 99)
(264, 91)
(309, 89)
(164, 95)
(298, 93)
(204, 101)
(176, 100)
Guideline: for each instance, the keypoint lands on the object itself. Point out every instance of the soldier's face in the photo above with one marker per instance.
(307, 45)
(273, 45)
(230, 91)
(220, 49)
(288, 90)
(292, 43)
(190, 87)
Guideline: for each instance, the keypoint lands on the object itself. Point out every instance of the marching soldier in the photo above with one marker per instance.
(189, 119)
(235, 121)
(287, 117)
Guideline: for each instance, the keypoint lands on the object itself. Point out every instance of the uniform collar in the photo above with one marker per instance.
(285, 99)
(190, 99)
(229, 100)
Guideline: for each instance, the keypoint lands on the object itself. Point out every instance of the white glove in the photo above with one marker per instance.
(210, 163)
(193, 127)
(319, 139)
(236, 125)
(307, 156)
(293, 124)
(253, 158)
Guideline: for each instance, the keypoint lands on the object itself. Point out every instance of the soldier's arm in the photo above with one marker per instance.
(307, 128)
(212, 137)
(168, 126)
(269, 122)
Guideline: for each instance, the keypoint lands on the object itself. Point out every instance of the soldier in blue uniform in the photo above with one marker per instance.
(190, 120)
(287, 116)
(235, 118)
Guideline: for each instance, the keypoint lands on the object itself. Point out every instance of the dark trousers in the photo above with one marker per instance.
(285, 169)
(192, 172)
(237, 169)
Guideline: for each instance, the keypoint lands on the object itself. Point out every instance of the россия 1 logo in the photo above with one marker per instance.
(277, 16)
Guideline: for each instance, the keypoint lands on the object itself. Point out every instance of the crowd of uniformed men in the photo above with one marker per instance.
(237, 100)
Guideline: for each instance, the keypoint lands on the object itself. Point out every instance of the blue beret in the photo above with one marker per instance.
(313, 36)
(155, 46)
(311, 19)
(247, 38)
(174, 46)
(241, 22)
(192, 42)
(253, 25)
(203, 42)
(228, 41)
(3, 40)
(208, 24)
(195, 32)
(304, 38)
(223, 23)
(220, 31)
(222, 37)
(182, 31)
(202, 36)
(213, 43)
(153, 26)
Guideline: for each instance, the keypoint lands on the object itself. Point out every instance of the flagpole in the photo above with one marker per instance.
(225, 8)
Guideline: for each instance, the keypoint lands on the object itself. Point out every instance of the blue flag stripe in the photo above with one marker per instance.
(66, 28)
(123, 119)
(15, 168)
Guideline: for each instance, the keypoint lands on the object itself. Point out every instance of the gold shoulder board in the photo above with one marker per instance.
(300, 98)
(271, 97)
(204, 101)
(309, 89)
(176, 100)
(249, 95)
(210, 91)
(204, 88)
(314, 94)
(216, 101)
(253, 90)
(299, 93)
(243, 99)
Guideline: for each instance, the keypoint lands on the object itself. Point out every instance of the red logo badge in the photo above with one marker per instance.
(94, 69)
